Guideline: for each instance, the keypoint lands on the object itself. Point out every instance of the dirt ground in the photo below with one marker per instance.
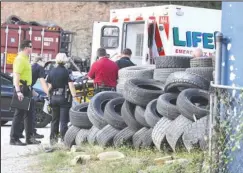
(19, 159)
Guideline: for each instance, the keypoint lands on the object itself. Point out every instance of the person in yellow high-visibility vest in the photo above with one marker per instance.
(22, 80)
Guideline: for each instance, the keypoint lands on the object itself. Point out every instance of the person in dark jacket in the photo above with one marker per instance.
(125, 60)
(58, 83)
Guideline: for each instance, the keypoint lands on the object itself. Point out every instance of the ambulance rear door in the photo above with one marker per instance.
(109, 36)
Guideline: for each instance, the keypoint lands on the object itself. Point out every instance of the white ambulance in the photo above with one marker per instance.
(157, 31)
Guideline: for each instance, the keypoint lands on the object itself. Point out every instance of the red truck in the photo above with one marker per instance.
(47, 41)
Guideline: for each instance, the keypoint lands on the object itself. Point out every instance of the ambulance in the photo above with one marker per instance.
(157, 31)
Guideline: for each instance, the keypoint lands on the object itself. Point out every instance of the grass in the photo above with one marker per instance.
(135, 160)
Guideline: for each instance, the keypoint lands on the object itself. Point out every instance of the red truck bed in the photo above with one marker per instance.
(46, 41)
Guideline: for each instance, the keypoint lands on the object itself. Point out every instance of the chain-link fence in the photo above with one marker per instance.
(226, 134)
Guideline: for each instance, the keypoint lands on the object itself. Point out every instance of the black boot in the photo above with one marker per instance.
(21, 136)
(17, 142)
(32, 141)
(38, 136)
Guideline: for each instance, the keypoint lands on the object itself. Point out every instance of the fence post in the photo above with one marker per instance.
(232, 28)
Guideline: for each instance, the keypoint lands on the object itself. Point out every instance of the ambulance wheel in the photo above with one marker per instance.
(42, 119)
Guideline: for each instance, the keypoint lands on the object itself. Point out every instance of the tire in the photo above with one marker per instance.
(3, 122)
(159, 132)
(136, 138)
(105, 136)
(194, 133)
(141, 92)
(91, 138)
(151, 114)
(172, 62)
(147, 141)
(120, 88)
(70, 136)
(13, 19)
(127, 112)
(142, 138)
(78, 116)
(213, 61)
(201, 62)
(205, 72)
(112, 113)
(34, 23)
(166, 106)
(175, 131)
(179, 81)
(42, 119)
(124, 137)
(135, 72)
(186, 103)
(81, 137)
(97, 106)
(139, 116)
(161, 74)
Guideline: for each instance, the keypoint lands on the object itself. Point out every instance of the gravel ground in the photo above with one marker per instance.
(19, 159)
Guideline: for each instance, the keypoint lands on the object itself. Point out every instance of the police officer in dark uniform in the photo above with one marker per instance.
(60, 99)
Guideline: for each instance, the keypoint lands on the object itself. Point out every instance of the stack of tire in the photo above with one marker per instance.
(133, 72)
(13, 19)
(80, 125)
(169, 64)
(183, 107)
(203, 67)
(148, 112)
(138, 94)
(116, 120)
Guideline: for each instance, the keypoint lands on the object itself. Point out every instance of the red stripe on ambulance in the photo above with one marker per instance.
(165, 21)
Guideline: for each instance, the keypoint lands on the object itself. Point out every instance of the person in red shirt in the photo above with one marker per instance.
(104, 72)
